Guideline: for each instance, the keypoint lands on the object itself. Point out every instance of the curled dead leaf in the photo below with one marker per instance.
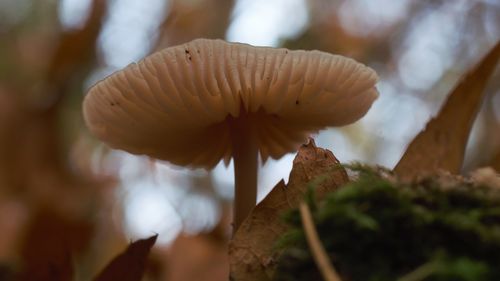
(441, 146)
(251, 252)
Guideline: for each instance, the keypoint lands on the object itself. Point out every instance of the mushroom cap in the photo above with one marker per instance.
(180, 104)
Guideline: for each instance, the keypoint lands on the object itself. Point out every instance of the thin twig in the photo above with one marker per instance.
(319, 254)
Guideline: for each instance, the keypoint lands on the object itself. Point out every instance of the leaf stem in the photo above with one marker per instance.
(319, 254)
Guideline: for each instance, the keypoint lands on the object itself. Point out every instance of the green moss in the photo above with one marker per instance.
(378, 230)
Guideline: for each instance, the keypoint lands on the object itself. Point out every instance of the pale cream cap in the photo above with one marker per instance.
(175, 104)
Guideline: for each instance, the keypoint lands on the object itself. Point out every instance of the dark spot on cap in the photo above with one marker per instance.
(188, 54)
(297, 102)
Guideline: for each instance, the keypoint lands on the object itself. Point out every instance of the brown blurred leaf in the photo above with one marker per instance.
(495, 163)
(441, 146)
(197, 258)
(50, 243)
(130, 265)
(251, 252)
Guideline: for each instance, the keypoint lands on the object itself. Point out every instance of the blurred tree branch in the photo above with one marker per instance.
(188, 20)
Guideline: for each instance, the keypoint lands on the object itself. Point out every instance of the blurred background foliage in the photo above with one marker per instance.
(68, 204)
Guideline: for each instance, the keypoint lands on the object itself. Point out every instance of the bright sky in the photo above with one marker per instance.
(265, 22)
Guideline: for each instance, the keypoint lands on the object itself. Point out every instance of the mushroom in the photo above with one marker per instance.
(207, 100)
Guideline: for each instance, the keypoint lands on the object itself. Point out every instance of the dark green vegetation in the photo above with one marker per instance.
(375, 229)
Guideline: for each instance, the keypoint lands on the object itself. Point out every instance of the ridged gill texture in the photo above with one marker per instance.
(181, 104)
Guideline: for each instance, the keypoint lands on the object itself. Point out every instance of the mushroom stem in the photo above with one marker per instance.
(245, 154)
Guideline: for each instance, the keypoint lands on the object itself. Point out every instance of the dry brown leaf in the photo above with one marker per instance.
(486, 176)
(441, 146)
(495, 163)
(51, 241)
(129, 265)
(251, 252)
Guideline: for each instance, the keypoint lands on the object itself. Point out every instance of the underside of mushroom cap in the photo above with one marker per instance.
(178, 104)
